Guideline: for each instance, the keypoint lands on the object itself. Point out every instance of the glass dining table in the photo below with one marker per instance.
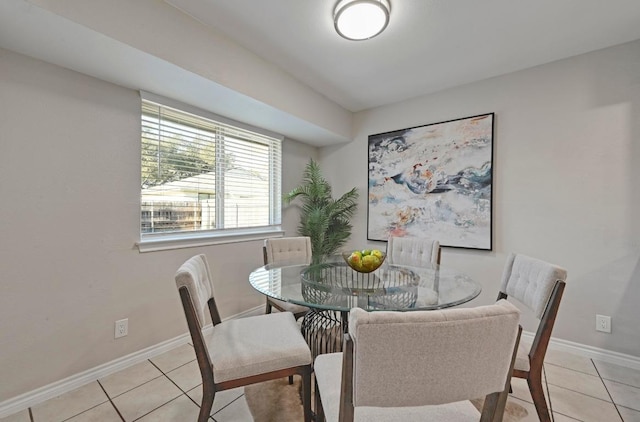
(331, 289)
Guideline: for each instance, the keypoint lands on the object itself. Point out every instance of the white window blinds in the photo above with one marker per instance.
(202, 175)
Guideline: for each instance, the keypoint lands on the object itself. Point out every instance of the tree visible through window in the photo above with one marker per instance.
(199, 174)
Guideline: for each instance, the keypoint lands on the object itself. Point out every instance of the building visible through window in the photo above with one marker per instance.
(202, 175)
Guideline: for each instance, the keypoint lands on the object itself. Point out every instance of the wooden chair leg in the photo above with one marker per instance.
(208, 394)
(300, 315)
(537, 393)
(306, 393)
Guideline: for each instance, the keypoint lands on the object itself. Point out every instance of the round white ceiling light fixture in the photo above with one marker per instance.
(359, 20)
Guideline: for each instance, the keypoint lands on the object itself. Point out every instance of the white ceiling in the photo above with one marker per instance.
(41, 29)
(428, 46)
(297, 59)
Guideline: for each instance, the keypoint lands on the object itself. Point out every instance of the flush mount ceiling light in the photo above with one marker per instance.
(361, 19)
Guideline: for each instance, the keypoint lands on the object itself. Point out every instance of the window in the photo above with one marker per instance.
(204, 175)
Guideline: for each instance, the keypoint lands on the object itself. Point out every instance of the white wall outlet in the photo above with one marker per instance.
(603, 323)
(122, 327)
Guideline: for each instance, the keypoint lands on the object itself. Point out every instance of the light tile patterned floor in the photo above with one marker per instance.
(167, 388)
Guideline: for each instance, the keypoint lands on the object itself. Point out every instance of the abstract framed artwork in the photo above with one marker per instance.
(433, 181)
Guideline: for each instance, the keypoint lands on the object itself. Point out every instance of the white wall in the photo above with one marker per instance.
(156, 29)
(69, 218)
(566, 166)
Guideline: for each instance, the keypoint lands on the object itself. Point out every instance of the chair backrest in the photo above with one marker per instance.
(432, 357)
(287, 249)
(413, 251)
(531, 281)
(194, 275)
(193, 280)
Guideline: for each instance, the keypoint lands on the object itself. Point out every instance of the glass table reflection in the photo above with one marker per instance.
(331, 288)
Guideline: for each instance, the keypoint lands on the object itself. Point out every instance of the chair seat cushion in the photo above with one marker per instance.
(328, 372)
(522, 359)
(288, 306)
(256, 345)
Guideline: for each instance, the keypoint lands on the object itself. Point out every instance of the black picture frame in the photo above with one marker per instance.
(434, 181)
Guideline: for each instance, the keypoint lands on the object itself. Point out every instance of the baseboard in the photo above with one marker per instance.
(31, 398)
(258, 310)
(590, 352)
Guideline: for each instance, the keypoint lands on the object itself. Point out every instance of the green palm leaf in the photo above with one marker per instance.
(325, 220)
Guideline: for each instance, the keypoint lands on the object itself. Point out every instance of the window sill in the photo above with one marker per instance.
(165, 242)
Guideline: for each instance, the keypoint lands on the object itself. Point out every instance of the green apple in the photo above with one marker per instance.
(369, 262)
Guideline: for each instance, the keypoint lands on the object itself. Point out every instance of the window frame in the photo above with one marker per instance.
(149, 242)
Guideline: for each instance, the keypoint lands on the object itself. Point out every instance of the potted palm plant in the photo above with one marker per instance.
(325, 220)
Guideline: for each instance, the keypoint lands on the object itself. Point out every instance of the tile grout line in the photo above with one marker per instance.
(91, 408)
(111, 401)
(153, 410)
(228, 404)
(629, 408)
(580, 392)
(137, 386)
(189, 397)
(591, 375)
(586, 395)
(162, 374)
(170, 380)
(615, 405)
(569, 369)
(553, 418)
(614, 380)
(152, 379)
(32, 418)
(177, 386)
(621, 383)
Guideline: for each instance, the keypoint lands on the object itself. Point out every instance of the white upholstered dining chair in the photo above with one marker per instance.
(239, 351)
(413, 251)
(293, 250)
(539, 286)
(420, 365)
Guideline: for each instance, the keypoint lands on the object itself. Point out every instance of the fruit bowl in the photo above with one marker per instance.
(364, 261)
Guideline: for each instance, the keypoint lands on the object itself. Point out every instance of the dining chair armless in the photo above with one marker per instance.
(292, 250)
(420, 365)
(539, 286)
(413, 251)
(240, 351)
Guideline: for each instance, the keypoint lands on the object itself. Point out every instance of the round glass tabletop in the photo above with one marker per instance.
(333, 285)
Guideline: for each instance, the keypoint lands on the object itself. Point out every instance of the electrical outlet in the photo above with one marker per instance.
(603, 323)
(122, 327)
